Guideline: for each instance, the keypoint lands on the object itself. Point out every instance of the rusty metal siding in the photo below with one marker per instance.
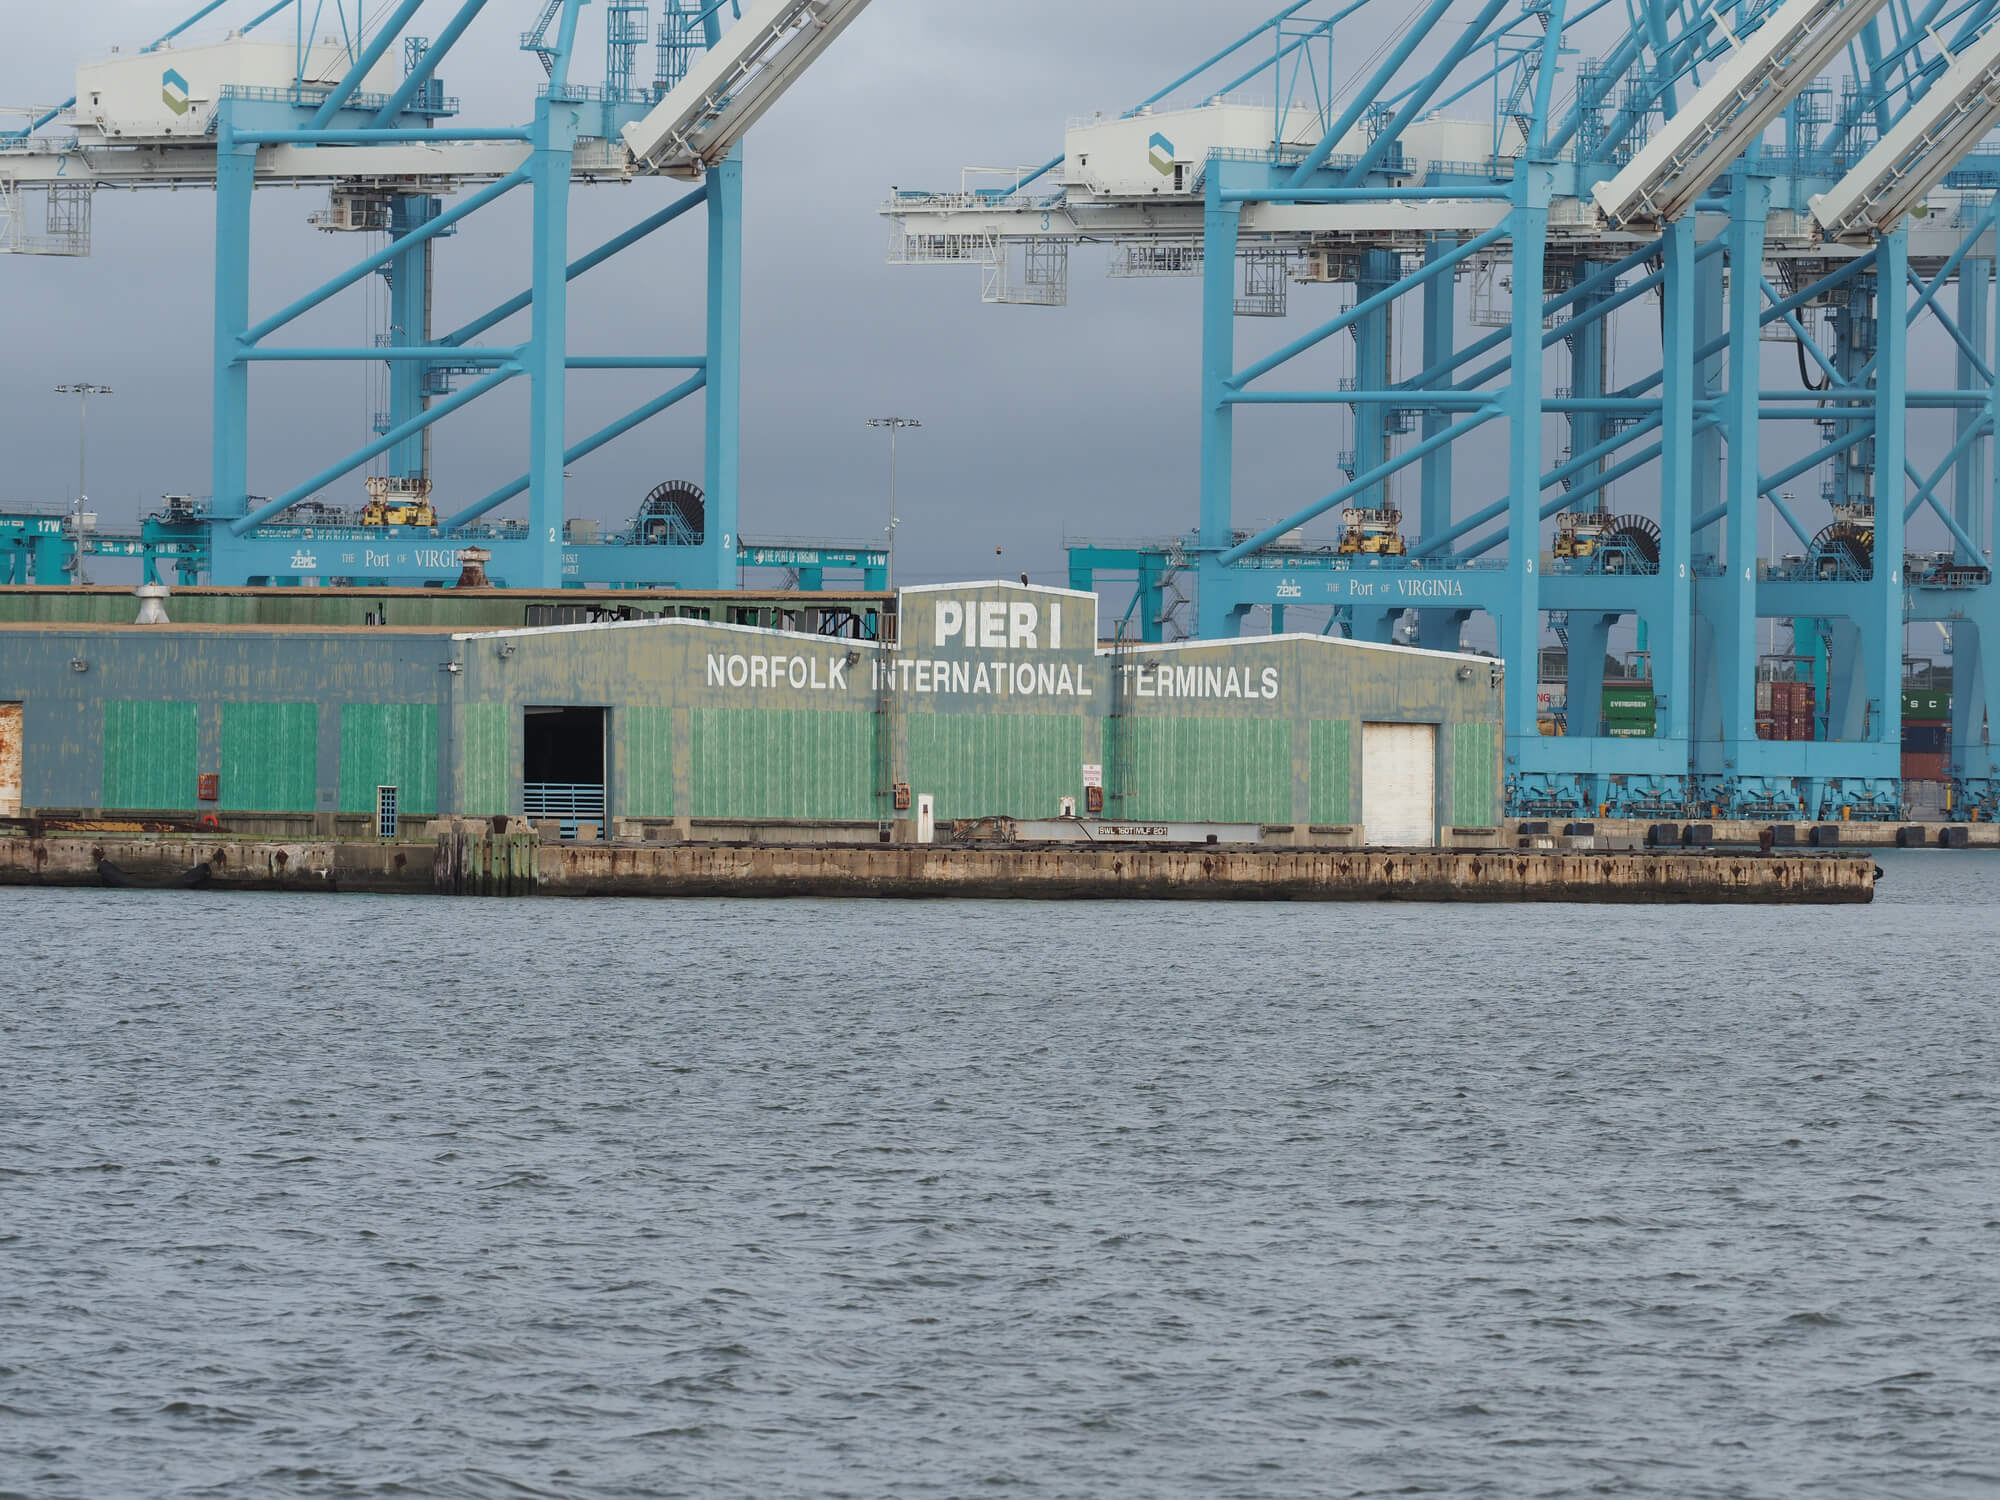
(959, 715)
(270, 757)
(1475, 775)
(389, 744)
(10, 760)
(1332, 773)
(778, 763)
(149, 756)
(1009, 765)
(1212, 770)
(1251, 755)
(66, 678)
(487, 759)
(657, 680)
(648, 781)
(1333, 680)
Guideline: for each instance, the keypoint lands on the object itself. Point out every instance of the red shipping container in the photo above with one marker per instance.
(1801, 727)
(1925, 767)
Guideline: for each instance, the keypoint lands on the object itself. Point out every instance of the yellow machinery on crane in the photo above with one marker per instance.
(398, 502)
(1377, 533)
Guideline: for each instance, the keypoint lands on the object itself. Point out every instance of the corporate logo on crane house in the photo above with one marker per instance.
(1160, 152)
(174, 91)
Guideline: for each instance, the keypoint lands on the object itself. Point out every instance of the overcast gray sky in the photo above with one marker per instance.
(1038, 422)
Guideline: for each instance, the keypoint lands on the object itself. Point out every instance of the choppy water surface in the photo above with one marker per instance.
(327, 1196)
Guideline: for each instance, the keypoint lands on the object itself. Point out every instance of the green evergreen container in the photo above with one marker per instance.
(1927, 707)
(1629, 702)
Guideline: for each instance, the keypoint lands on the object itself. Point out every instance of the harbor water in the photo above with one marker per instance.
(330, 1196)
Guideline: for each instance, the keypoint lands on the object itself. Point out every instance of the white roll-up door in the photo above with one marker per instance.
(1399, 785)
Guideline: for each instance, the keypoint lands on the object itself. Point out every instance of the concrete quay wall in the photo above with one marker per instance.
(1249, 874)
(513, 863)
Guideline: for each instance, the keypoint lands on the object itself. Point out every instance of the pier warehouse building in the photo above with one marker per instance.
(311, 713)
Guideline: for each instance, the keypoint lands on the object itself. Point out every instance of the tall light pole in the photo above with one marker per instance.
(895, 426)
(83, 392)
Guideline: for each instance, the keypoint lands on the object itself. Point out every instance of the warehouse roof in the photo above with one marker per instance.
(1307, 635)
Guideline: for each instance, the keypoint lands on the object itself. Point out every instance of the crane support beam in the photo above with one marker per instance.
(385, 38)
(438, 166)
(521, 301)
(381, 445)
(729, 88)
(420, 75)
(1732, 110)
(429, 230)
(585, 448)
(1363, 482)
(1913, 155)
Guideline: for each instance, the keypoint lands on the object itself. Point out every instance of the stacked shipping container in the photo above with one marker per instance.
(1630, 712)
(1787, 711)
(1926, 736)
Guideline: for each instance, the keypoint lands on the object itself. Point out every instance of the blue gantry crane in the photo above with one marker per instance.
(1674, 253)
(309, 92)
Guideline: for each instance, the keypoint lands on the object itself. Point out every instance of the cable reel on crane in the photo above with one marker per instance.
(675, 514)
(1616, 544)
(1633, 546)
(1845, 551)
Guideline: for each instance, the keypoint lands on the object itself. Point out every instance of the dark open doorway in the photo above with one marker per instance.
(565, 746)
(563, 766)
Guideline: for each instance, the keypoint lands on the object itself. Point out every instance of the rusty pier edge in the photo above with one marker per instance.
(469, 863)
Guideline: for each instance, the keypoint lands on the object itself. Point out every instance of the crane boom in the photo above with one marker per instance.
(1743, 96)
(1932, 136)
(728, 88)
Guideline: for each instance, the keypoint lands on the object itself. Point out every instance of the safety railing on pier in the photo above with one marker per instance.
(569, 805)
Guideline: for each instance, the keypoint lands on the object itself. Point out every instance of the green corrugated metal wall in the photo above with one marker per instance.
(486, 759)
(755, 763)
(649, 762)
(1332, 772)
(1475, 769)
(270, 757)
(389, 744)
(981, 765)
(149, 756)
(1212, 770)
